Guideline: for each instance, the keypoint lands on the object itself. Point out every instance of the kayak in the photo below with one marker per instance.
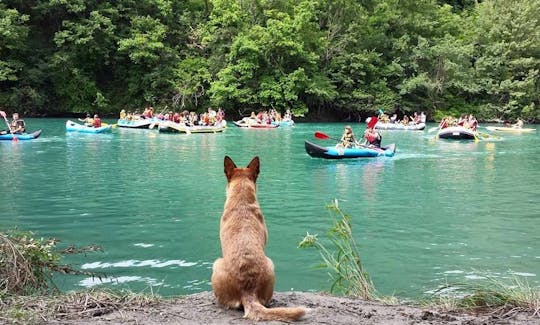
(457, 133)
(244, 124)
(24, 136)
(136, 124)
(400, 127)
(333, 152)
(76, 127)
(508, 129)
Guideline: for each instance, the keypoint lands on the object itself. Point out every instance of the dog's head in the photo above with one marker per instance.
(251, 171)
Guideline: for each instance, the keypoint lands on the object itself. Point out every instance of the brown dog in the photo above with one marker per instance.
(244, 276)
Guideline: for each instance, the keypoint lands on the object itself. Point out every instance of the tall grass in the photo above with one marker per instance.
(496, 295)
(342, 257)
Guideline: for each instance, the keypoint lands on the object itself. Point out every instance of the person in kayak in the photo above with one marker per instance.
(373, 138)
(97, 121)
(347, 139)
(17, 125)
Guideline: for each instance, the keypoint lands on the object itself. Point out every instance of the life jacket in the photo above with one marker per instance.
(374, 138)
(97, 122)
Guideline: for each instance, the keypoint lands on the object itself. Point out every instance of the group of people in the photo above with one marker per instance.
(92, 121)
(372, 138)
(209, 118)
(415, 119)
(267, 117)
(466, 121)
(16, 126)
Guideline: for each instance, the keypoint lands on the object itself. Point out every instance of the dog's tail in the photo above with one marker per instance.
(254, 310)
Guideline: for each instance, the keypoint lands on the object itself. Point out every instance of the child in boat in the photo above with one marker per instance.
(347, 139)
(17, 125)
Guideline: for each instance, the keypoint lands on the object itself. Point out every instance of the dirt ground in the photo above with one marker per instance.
(201, 308)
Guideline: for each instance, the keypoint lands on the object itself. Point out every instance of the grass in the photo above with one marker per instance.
(503, 297)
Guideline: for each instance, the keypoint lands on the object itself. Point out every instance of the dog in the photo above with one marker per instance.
(244, 276)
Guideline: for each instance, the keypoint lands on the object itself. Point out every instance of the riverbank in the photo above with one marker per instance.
(201, 308)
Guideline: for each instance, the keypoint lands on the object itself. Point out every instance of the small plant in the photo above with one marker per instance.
(28, 263)
(343, 259)
(494, 294)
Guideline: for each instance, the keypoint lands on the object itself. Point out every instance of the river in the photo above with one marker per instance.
(437, 212)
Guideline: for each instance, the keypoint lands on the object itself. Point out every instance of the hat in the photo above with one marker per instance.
(372, 122)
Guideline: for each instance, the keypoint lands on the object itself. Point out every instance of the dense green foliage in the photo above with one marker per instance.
(322, 59)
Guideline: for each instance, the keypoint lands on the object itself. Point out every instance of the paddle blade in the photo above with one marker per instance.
(320, 135)
(15, 139)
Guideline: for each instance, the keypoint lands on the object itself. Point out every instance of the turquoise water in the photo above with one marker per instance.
(438, 211)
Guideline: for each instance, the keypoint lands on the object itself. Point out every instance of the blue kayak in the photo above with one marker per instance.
(333, 152)
(76, 127)
(24, 136)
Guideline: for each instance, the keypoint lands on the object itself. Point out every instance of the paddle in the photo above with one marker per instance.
(435, 128)
(15, 139)
(324, 136)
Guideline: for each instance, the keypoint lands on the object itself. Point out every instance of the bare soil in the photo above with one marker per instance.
(201, 308)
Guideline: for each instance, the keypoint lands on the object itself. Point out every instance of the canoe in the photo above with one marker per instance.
(76, 127)
(457, 133)
(136, 124)
(399, 126)
(509, 129)
(317, 151)
(169, 126)
(244, 124)
(24, 136)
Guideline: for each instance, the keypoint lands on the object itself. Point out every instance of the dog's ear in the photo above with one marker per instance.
(254, 166)
(229, 167)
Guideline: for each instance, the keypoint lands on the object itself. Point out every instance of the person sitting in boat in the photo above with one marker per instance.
(405, 120)
(17, 125)
(462, 120)
(123, 114)
(393, 119)
(518, 124)
(88, 121)
(472, 122)
(97, 121)
(347, 139)
(445, 122)
(373, 138)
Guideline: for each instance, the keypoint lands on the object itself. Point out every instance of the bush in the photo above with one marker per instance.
(28, 263)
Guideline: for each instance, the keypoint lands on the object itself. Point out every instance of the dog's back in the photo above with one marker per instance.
(245, 276)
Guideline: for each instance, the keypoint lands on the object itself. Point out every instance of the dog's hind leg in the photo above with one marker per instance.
(225, 289)
(266, 285)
